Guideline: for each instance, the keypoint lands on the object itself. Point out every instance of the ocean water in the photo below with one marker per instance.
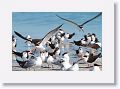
(38, 24)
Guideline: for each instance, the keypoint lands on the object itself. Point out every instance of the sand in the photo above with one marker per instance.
(82, 67)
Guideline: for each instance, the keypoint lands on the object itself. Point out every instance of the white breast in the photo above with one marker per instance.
(38, 61)
(50, 59)
(66, 36)
(66, 65)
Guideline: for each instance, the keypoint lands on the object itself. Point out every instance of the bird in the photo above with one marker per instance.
(38, 61)
(23, 55)
(69, 36)
(95, 46)
(27, 63)
(78, 43)
(65, 65)
(65, 61)
(44, 55)
(28, 42)
(50, 60)
(90, 58)
(81, 25)
(40, 45)
(14, 44)
(34, 41)
(79, 52)
(89, 38)
(50, 34)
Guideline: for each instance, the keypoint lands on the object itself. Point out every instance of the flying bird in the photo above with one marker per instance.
(81, 25)
(34, 41)
(50, 34)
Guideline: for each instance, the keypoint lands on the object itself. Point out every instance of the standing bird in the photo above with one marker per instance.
(28, 42)
(65, 61)
(50, 60)
(14, 44)
(81, 25)
(79, 53)
(28, 63)
(90, 58)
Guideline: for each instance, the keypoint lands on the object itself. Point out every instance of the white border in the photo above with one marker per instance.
(104, 6)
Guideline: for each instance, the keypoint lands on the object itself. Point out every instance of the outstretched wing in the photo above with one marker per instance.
(51, 33)
(18, 34)
(17, 53)
(67, 20)
(91, 19)
(79, 26)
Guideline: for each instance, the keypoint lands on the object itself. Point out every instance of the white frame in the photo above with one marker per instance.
(104, 76)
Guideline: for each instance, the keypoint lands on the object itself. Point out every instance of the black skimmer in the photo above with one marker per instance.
(52, 45)
(65, 64)
(50, 34)
(90, 58)
(34, 41)
(44, 55)
(89, 38)
(28, 63)
(69, 36)
(14, 44)
(25, 55)
(81, 25)
(95, 46)
(78, 43)
(79, 52)
(38, 61)
(28, 42)
(65, 61)
(40, 45)
(50, 60)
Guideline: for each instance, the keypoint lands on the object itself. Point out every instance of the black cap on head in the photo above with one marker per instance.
(93, 34)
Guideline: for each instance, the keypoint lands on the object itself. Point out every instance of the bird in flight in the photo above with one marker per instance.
(81, 25)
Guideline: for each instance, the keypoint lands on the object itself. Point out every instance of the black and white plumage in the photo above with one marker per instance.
(14, 42)
(69, 36)
(28, 42)
(50, 34)
(90, 58)
(79, 52)
(47, 37)
(65, 61)
(34, 41)
(50, 60)
(28, 63)
(81, 25)
(24, 55)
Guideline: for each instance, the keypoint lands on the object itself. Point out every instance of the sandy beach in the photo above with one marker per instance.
(82, 67)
